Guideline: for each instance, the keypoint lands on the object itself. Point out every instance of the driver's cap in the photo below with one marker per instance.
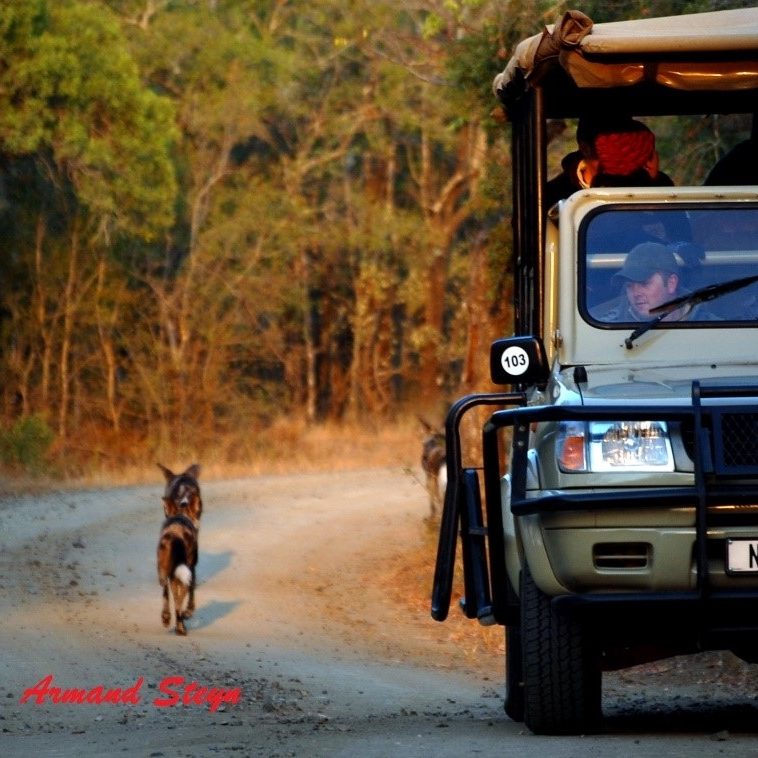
(643, 261)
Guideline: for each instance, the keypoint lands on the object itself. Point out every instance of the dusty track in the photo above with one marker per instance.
(294, 610)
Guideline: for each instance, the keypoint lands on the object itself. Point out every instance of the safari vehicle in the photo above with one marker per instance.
(619, 517)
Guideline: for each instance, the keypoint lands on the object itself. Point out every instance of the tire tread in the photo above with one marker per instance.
(562, 680)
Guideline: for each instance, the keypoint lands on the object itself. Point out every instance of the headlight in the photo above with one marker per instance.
(642, 446)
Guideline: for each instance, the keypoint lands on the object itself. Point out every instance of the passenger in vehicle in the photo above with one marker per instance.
(621, 231)
(739, 166)
(616, 152)
(626, 157)
(568, 180)
(649, 277)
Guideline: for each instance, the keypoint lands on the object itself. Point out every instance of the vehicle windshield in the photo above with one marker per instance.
(635, 259)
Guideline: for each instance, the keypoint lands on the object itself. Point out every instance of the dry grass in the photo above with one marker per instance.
(288, 446)
(291, 446)
(408, 580)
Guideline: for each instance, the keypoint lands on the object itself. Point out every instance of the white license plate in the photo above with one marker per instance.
(742, 556)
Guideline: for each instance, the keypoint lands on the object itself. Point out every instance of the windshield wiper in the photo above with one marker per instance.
(640, 330)
(711, 292)
(702, 295)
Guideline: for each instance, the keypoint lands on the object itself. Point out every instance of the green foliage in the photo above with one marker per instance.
(473, 63)
(26, 443)
(601, 11)
(70, 91)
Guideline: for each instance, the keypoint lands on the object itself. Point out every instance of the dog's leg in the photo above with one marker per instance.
(431, 489)
(191, 603)
(164, 568)
(179, 591)
(165, 613)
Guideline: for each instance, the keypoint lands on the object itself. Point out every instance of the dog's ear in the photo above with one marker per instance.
(166, 472)
(193, 471)
(196, 509)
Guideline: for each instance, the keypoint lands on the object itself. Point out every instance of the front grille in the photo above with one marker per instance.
(687, 430)
(736, 437)
(734, 441)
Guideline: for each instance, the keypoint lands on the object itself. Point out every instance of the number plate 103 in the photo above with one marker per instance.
(742, 556)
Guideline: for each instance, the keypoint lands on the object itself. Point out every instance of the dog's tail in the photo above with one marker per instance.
(183, 574)
(172, 560)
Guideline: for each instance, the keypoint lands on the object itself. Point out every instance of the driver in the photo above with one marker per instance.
(649, 277)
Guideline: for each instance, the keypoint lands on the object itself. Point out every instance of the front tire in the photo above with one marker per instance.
(562, 679)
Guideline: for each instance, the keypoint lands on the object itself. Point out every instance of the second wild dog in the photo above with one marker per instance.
(433, 463)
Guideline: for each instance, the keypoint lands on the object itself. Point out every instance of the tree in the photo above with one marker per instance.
(86, 154)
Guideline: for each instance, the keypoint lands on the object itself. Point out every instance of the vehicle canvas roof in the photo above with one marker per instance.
(661, 64)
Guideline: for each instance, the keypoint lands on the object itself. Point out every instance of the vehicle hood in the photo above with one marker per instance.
(648, 385)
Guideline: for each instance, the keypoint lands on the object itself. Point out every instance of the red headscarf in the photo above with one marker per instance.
(622, 153)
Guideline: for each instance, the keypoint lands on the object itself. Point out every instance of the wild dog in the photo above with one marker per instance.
(434, 466)
(178, 543)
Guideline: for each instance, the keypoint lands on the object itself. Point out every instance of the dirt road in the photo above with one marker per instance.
(297, 629)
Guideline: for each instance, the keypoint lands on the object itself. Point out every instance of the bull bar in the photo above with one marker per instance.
(718, 479)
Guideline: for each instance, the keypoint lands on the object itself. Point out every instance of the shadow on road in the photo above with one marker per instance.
(210, 564)
(211, 612)
(694, 716)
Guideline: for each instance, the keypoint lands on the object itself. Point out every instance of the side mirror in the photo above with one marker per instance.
(519, 360)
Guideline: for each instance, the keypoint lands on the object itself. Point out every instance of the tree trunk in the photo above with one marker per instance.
(43, 324)
(450, 208)
(104, 330)
(472, 378)
(308, 338)
(68, 328)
